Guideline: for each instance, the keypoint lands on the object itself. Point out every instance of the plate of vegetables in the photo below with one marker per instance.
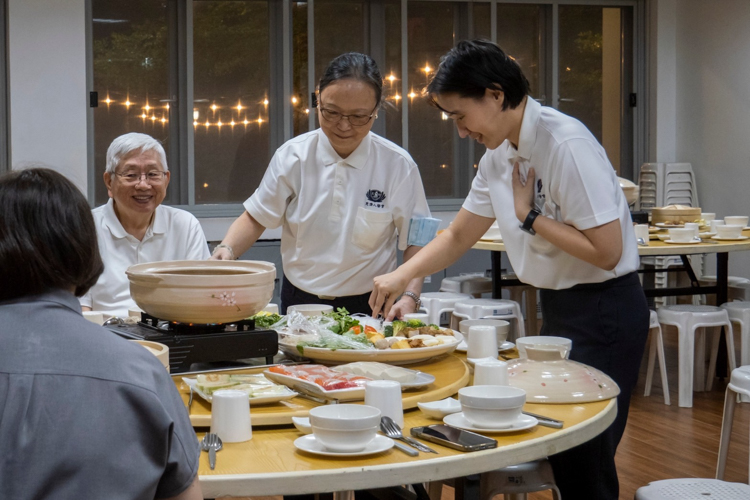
(349, 340)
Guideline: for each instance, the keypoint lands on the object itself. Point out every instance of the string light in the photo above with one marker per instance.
(443, 166)
(214, 107)
(412, 95)
(127, 103)
(232, 123)
(239, 106)
(163, 120)
(391, 78)
(153, 118)
(196, 114)
(260, 120)
(147, 107)
(307, 111)
(265, 102)
(219, 123)
(108, 101)
(208, 124)
(195, 124)
(144, 115)
(167, 106)
(245, 122)
(294, 100)
(205, 184)
(397, 97)
(426, 69)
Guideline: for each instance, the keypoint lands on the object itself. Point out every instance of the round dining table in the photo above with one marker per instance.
(270, 464)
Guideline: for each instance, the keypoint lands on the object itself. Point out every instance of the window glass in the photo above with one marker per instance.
(431, 139)
(131, 75)
(230, 112)
(339, 27)
(391, 72)
(300, 88)
(519, 34)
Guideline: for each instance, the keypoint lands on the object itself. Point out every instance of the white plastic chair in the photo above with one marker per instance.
(656, 349)
(739, 385)
(491, 308)
(435, 304)
(691, 320)
(472, 285)
(739, 312)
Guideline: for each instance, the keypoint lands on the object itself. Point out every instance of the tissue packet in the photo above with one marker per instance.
(422, 230)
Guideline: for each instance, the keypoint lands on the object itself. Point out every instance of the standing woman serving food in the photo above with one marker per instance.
(566, 228)
(343, 196)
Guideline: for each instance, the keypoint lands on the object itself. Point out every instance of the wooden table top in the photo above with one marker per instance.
(269, 464)
(657, 247)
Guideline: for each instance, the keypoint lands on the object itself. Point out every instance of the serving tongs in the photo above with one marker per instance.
(546, 421)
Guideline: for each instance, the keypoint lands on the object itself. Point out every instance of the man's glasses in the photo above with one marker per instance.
(154, 177)
(354, 120)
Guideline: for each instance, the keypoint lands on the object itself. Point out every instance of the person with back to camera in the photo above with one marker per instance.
(343, 196)
(566, 228)
(83, 412)
(134, 227)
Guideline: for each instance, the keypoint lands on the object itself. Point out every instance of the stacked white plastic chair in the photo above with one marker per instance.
(473, 285)
(491, 309)
(439, 305)
(662, 184)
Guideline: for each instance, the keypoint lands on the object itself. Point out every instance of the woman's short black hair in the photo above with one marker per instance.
(356, 66)
(472, 67)
(47, 235)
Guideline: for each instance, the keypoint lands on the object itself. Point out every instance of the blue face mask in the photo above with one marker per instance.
(422, 230)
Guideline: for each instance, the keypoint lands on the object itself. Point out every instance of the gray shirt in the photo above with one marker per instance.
(83, 412)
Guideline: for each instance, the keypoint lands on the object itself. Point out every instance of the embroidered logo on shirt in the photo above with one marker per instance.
(541, 198)
(375, 198)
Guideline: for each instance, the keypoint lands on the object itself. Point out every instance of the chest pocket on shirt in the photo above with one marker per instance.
(371, 228)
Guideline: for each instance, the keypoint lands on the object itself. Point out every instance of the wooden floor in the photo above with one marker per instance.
(663, 442)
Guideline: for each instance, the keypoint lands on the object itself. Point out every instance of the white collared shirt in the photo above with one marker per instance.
(174, 234)
(575, 184)
(341, 219)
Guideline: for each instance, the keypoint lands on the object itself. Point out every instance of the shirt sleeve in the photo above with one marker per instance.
(478, 201)
(411, 202)
(582, 184)
(269, 202)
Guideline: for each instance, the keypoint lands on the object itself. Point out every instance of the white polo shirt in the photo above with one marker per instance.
(575, 184)
(174, 234)
(341, 219)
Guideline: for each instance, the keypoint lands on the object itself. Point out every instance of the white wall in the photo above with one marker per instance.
(47, 66)
(711, 93)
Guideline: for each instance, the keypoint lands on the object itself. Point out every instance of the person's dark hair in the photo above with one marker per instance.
(472, 67)
(47, 235)
(356, 66)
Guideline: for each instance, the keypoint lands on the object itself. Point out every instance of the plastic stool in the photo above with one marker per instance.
(739, 312)
(690, 321)
(473, 285)
(735, 288)
(435, 304)
(490, 308)
(739, 385)
(518, 480)
(657, 348)
(525, 294)
(693, 489)
(513, 482)
(739, 291)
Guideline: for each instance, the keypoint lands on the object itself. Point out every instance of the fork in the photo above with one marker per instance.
(211, 443)
(393, 431)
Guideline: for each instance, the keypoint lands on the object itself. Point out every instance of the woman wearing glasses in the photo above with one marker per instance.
(134, 227)
(343, 196)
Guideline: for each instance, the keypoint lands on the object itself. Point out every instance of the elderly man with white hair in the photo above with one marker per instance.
(134, 227)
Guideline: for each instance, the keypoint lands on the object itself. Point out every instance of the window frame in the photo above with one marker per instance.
(182, 158)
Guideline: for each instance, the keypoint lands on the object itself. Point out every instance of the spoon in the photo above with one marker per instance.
(211, 443)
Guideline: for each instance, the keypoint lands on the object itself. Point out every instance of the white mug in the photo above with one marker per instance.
(490, 372)
(695, 227)
(482, 342)
(230, 416)
(385, 395)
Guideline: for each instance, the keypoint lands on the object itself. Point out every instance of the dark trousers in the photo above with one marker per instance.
(292, 296)
(608, 324)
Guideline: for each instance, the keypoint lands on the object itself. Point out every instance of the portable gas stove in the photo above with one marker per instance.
(190, 343)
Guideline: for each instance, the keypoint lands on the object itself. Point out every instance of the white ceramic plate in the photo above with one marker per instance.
(463, 346)
(439, 409)
(257, 400)
(311, 445)
(730, 239)
(691, 242)
(392, 356)
(459, 420)
(667, 226)
(351, 394)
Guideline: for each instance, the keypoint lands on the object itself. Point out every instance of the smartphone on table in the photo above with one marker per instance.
(453, 437)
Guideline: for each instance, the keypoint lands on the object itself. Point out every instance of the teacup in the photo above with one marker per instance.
(491, 406)
(729, 231)
(708, 217)
(490, 372)
(502, 327)
(544, 342)
(739, 220)
(344, 428)
(681, 234)
(695, 227)
(714, 223)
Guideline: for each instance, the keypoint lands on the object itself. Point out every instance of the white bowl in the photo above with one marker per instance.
(202, 291)
(491, 406)
(738, 220)
(502, 327)
(545, 342)
(729, 231)
(310, 309)
(439, 409)
(681, 234)
(346, 417)
(302, 424)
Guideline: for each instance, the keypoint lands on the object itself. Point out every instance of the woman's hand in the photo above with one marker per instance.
(405, 305)
(387, 288)
(523, 192)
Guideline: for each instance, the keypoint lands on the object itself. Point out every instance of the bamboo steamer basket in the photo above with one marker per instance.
(677, 214)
